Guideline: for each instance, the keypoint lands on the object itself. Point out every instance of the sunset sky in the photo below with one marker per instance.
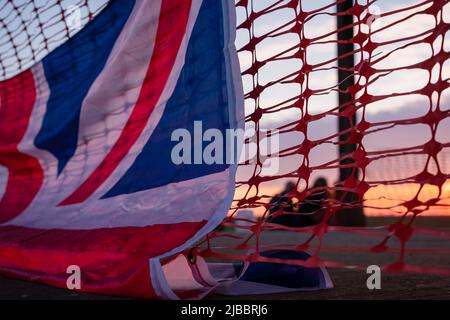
(407, 106)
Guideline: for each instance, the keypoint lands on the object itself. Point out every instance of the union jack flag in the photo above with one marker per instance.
(86, 177)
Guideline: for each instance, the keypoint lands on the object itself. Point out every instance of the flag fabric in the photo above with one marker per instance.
(245, 278)
(268, 277)
(86, 177)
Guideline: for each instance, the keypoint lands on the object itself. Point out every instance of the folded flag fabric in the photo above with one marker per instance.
(266, 277)
(196, 279)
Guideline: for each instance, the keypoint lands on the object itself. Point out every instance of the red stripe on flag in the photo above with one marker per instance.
(171, 30)
(25, 175)
(112, 261)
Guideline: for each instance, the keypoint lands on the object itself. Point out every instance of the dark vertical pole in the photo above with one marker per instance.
(347, 216)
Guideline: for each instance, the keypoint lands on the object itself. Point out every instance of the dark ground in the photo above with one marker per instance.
(348, 283)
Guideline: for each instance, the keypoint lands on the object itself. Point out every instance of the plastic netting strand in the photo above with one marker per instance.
(29, 30)
(397, 128)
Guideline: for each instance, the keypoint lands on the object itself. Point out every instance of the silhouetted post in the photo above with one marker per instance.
(346, 216)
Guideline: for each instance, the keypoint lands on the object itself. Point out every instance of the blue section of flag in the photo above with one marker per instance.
(200, 95)
(70, 71)
(285, 275)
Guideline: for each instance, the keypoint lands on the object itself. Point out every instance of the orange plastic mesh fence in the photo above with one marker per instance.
(382, 149)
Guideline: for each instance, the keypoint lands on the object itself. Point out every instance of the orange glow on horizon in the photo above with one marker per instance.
(382, 200)
(385, 200)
